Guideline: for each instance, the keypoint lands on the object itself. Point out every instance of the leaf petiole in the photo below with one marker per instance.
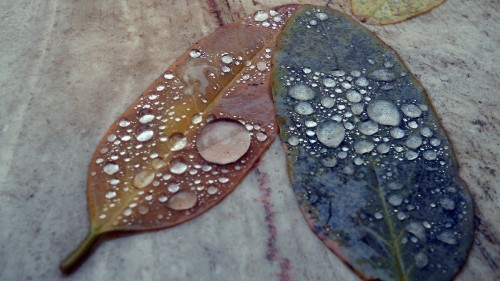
(75, 258)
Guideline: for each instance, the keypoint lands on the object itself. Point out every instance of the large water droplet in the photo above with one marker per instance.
(182, 200)
(301, 92)
(330, 133)
(363, 146)
(143, 178)
(417, 229)
(411, 110)
(178, 166)
(304, 108)
(111, 168)
(223, 142)
(143, 133)
(353, 96)
(321, 16)
(368, 127)
(177, 141)
(227, 59)
(357, 108)
(382, 75)
(194, 53)
(261, 16)
(384, 112)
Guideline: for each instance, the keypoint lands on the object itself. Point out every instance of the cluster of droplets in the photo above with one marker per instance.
(270, 19)
(151, 169)
(350, 119)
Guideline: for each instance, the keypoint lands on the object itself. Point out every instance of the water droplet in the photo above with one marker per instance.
(382, 75)
(111, 138)
(346, 85)
(261, 16)
(223, 142)
(413, 141)
(330, 133)
(411, 110)
(261, 66)
(177, 141)
(173, 187)
(124, 123)
(329, 161)
(142, 210)
(114, 181)
(429, 155)
(435, 142)
(293, 140)
(304, 108)
(327, 102)
(411, 155)
(223, 180)
(143, 178)
(212, 190)
(168, 75)
(417, 230)
(357, 108)
(368, 127)
(384, 112)
(363, 146)
(447, 237)
(353, 96)
(426, 132)
(447, 203)
(397, 133)
(395, 185)
(321, 16)
(329, 82)
(111, 168)
(163, 198)
(110, 194)
(338, 73)
(127, 212)
(225, 68)
(306, 70)
(182, 200)
(146, 115)
(378, 215)
(143, 133)
(194, 53)
(227, 59)
(383, 148)
(261, 136)
(301, 92)
(421, 260)
(362, 82)
(178, 166)
(395, 199)
(158, 163)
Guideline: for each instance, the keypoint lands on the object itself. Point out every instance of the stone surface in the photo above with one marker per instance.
(69, 68)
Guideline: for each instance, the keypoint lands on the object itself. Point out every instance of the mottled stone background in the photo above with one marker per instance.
(69, 68)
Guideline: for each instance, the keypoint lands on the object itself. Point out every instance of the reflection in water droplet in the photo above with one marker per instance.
(194, 53)
(368, 127)
(177, 141)
(223, 142)
(146, 115)
(301, 92)
(111, 168)
(382, 75)
(143, 178)
(363, 146)
(111, 194)
(178, 166)
(330, 133)
(143, 133)
(411, 110)
(384, 112)
(182, 200)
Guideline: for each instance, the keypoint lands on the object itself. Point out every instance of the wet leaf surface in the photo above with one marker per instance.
(190, 138)
(372, 168)
(390, 11)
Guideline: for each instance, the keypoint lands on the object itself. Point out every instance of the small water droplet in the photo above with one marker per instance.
(363, 146)
(435, 142)
(227, 59)
(421, 260)
(327, 102)
(261, 16)
(261, 136)
(146, 115)
(395, 199)
(194, 53)
(382, 75)
(173, 187)
(330, 133)
(142, 210)
(111, 138)
(362, 82)
(223, 142)
(429, 155)
(223, 180)
(411, 110)
(124, 123)
(158, 163)
(261, 66)
(426, 132)
(357, 108)
(293, 140)
(378, 215)
(368, 127)
(111, 168)
(397, 133)
(447, 237)
(304, 108)
(384, 112)
(321, 16)
(301, 92)
(411, 155)
(182, 200)
(447, 204)
(143, 133)
(127, 212)
(329, 161)
(329, 82)
(110, 194)
(168, 75)
(417, 230)
(413, 141)
(177, 141)
(353, 96)
(178, 166)
(212, 190)
(225, 68)
(338, 73)
(144, 178)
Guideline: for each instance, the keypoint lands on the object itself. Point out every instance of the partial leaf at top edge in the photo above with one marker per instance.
(371, 166)
(390, 11)
(191, 137)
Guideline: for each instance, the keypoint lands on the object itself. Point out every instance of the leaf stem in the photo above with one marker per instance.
(75, 258)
